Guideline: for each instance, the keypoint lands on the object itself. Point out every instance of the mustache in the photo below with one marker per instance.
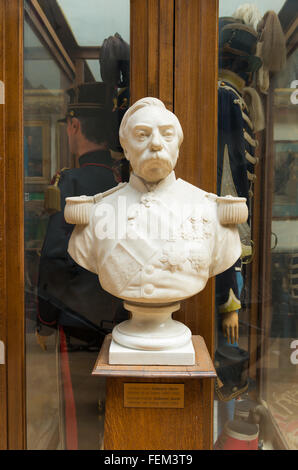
(156, 159)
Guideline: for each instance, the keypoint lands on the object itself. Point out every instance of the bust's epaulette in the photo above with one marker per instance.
(52, 199)
(232, 210)
(78, 209)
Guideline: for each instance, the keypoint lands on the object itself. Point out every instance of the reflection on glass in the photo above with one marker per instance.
(71, 122)
(33, 138)
(256, 400)
(280, 388)
(92, 22)
(95, 69)
(43, 105)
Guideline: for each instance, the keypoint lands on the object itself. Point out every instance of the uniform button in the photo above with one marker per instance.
(148, 289)
(149, 269)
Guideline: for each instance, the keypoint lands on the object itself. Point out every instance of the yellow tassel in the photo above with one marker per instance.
(41, 340)
(219, 383)
(52, 199)
(52, 202)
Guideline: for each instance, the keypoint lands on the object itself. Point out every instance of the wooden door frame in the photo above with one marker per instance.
(166, 62)
(3, 336)
(196, 71)
(12, 226)
(152, 50)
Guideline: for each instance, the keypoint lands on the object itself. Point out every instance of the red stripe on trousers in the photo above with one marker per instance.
(70, 408)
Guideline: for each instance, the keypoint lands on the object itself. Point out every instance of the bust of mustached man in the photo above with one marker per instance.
(155, 240)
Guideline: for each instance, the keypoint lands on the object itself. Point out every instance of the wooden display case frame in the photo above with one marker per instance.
(173, 57)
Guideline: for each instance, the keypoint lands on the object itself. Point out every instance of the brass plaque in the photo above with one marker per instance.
(144, 395)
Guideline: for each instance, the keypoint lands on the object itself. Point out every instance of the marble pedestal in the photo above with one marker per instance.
(183, 356)
(151, 337)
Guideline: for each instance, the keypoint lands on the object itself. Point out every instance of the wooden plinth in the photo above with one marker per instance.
(135, 428)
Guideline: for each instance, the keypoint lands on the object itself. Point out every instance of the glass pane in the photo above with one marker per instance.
(101, 23)
(257, 328)
(280, 382)
(74, 99)
(95, 69)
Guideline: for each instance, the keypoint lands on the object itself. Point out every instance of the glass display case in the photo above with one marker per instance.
(65, 405)
(235, 94)
(257, 153)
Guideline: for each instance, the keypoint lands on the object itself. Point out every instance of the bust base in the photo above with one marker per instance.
(151, 328)
(183, 356)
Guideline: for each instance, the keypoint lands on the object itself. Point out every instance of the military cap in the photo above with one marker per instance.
(89, 99)
(224, 20)
(239, 41)
(114, 61)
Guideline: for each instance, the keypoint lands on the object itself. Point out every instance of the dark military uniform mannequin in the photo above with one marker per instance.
(69, 295)
(70, 298)
(67, 291)
(236, 139)
(235, 176)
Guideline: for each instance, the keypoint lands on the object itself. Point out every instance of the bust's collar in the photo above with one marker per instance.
(139, 184)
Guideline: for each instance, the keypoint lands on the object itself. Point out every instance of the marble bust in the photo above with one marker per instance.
(155, 240)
